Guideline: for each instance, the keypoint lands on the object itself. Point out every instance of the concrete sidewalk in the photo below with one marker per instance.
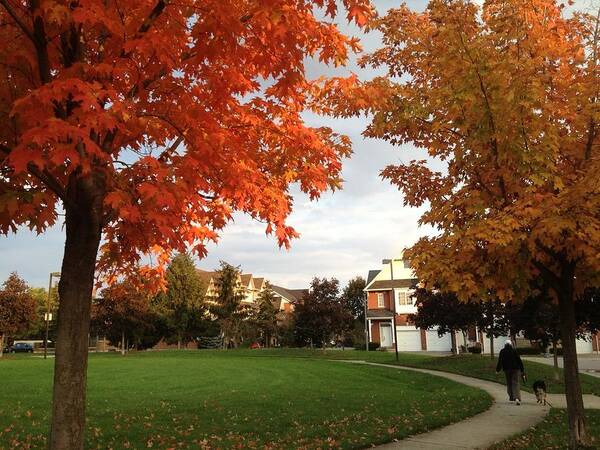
(588, 363)
(503, 420)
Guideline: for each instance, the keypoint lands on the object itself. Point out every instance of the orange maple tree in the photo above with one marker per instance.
(504, 99)
(150, 122)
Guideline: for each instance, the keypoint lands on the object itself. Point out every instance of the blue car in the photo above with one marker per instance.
(20, 347)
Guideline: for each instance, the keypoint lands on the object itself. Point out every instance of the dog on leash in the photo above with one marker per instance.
(540, 390)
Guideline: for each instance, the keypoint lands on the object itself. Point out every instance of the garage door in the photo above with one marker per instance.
(584, 346)
(409, 339)
(438, 344)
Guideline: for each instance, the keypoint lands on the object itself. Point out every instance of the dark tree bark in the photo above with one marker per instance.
(83, 207)
(555, 357)
(577, 430)
(492, 346)
(1, 344)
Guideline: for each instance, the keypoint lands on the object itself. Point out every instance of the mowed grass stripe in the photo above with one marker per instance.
(194, 399)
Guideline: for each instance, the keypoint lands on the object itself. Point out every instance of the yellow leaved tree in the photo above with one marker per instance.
(504, 99)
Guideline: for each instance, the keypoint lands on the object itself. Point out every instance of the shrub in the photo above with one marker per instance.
(372, 346)
(476, 349)
(559, 351)
(528, 351)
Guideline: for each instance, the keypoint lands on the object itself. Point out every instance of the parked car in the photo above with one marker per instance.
(20, 347)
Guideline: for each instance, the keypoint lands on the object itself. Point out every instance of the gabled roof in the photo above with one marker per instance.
(391, 284)
(290, 295)
(258, 283)
(372, 274)
(206, 275)
(246, 279)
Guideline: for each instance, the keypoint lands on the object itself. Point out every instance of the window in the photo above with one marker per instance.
(404, 298)
(406, 263)
(380, 300)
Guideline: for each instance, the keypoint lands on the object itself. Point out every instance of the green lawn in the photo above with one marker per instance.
(208, 399)
(477, 366)
(552, 433)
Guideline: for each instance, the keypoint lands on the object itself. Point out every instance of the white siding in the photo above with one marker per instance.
(584, 346)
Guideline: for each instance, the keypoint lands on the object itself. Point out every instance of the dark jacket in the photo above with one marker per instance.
(509, 359)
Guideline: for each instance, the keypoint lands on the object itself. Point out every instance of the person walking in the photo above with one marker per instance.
(510, 362)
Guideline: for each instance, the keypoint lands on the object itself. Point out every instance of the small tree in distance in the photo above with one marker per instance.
(17, 308)
(444, 311)
(182, 303)
(124, 315)
(353, 298)
(227, 304)
(264, 314)
(491, 321)
(320, 315)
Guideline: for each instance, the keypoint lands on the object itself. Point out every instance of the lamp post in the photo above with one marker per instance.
(56, 275)
(393, 299)
(366, 299)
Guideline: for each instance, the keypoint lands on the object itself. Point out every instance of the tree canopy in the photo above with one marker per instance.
(149, 123)
(504, 100)
(182, 304)
(320, 315)
(124, 315)
(17, 307)
(353, 297)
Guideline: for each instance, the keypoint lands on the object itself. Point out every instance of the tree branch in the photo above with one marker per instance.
(46, 177)
(17, 20)
(41, 44)
(169, 151)
(43, 175)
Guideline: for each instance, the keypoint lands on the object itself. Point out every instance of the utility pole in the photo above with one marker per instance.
(366, 297)
(395, 333)
(57, 275)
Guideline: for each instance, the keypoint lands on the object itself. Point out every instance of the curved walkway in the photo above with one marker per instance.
(501, 421)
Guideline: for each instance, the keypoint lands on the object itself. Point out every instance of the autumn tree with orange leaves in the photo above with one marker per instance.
(504, 100)
(149, 123)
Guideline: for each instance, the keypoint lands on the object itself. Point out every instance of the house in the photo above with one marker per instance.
(248, 285)
(286, 298)
(389, 294)
(388, 291)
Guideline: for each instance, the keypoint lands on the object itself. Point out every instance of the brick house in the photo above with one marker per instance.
(388, 291)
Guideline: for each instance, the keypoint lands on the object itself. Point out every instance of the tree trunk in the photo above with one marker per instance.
(123, 343)
(555, 357)
(1, 344)
(178, 344)
(577, 430)
(492, 346)
(453, 342)
(83, 225)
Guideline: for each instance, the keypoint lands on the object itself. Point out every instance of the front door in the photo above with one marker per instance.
(385, 330)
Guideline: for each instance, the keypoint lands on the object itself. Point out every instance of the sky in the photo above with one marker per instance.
(343, 235)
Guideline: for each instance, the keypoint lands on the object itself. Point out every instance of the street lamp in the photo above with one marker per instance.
(395, 335)
(55, 275)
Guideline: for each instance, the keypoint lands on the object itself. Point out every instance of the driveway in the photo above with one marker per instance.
(588, 363)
